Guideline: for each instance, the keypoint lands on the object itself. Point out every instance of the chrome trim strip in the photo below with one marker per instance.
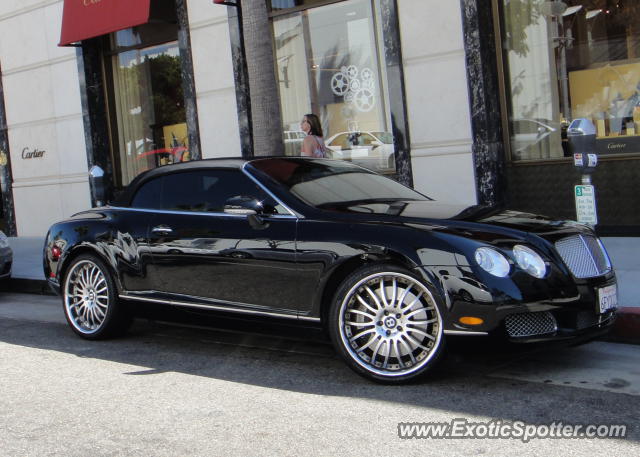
(590, 255)
(210, 307)
(309, 319)
(463, 332)
(201, 213)
(271, 194)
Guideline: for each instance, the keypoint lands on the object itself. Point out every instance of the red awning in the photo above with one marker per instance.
(83, 19)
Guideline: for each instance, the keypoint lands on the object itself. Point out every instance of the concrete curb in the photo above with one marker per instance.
(27, 286)
(627, 326)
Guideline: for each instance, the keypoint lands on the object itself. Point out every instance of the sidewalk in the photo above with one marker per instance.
(28, 276)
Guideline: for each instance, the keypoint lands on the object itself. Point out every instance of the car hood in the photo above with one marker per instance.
(451, 214)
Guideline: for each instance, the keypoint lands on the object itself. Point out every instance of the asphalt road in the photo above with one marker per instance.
(174, 391)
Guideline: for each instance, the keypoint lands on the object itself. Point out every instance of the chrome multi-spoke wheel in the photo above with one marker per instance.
(89, 299)
(389, 325)
(86, 296)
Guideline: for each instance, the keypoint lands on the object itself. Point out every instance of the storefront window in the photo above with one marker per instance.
(570, 68)
(149, 113)
(577, 59)
(329, 64)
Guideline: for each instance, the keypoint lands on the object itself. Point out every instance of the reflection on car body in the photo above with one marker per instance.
(388, 272)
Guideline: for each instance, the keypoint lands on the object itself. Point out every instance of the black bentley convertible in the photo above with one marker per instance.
(387, 271)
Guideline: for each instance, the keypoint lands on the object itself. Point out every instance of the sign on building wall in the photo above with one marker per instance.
(34, 153)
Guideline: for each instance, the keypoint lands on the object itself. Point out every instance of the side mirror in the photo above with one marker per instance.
(250, 207)
(242, 205)
(376, 143)
(96, 181)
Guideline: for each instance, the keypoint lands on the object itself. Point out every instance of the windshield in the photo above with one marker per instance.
(324, 183)
(385, 137)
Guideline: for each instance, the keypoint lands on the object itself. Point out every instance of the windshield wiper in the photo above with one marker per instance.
(365, 201)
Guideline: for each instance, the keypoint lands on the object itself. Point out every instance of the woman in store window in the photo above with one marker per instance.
(313, 144)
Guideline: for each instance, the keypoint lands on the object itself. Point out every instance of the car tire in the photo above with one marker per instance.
(90, 300)
(386, 323)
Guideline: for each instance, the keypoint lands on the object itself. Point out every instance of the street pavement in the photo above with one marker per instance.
(177, 391)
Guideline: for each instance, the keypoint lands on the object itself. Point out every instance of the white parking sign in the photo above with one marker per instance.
(586, 204)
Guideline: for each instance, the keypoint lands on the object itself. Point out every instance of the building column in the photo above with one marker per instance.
(6, 178)
(484, 97)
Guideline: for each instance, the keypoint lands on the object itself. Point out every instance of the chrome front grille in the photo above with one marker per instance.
(584, 255)
(530, 324)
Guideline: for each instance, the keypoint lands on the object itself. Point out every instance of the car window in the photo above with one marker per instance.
(148, 196)
(366, 139)
(201, 191)
(385, 137)
(341, 141)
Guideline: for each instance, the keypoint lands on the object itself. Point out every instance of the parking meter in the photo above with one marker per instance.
(582, 144)
(96, 181)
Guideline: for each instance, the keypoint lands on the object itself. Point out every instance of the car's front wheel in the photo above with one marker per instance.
(386, 324)
(90, 300)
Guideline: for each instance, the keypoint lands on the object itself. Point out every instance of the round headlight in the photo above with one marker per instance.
(530, 261)
(493, 262)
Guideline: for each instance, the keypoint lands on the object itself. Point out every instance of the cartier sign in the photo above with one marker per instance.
(90, 2)
(616, 146)
(623, 144)
(32, 153)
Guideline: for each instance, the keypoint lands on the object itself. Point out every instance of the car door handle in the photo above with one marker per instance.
(162, 229)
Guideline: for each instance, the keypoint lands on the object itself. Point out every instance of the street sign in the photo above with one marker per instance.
(586, 204)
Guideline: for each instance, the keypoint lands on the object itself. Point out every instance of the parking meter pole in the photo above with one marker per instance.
(582, 140)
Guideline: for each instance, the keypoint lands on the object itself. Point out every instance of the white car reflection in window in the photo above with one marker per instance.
(373, 150)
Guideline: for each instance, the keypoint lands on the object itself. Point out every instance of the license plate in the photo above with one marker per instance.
(607, 298)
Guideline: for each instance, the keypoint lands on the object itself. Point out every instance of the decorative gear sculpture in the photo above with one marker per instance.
(364, 100)
(356, 91)
(339, 84)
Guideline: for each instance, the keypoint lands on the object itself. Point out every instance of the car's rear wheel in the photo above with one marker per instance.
(90, 300)
(385, 322)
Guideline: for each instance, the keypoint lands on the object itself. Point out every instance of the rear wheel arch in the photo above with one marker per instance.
(81, 250)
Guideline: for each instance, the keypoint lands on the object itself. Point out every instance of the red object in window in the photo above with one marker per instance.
(83, 19)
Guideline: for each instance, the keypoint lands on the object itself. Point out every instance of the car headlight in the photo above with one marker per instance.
(530, 261)
(493, 262)
(4, 241)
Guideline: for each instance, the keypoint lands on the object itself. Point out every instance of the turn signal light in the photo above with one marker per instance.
(56, 252)
(469, 320)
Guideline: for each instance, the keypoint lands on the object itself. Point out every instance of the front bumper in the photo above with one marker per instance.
(565, 313)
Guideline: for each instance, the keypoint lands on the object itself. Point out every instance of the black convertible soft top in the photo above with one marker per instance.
(123, 199)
